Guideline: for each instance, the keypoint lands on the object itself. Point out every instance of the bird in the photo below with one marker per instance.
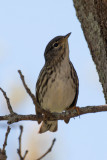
(57, 87)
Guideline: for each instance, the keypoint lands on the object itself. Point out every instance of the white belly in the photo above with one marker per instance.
(60, 94)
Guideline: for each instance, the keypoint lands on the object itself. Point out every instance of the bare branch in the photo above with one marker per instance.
(26, 87)
(32, 96)
(13, 117)
(3, 155)
(6, 136)
(54, 116)
(25, 154)
(49, 150)
(19, 151)
(8, 101)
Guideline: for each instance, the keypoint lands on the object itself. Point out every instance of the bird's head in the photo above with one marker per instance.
(56, 48)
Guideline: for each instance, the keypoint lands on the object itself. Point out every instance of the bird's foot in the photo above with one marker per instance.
(77, 109)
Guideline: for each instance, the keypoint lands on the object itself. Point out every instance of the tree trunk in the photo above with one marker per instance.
(92, 15)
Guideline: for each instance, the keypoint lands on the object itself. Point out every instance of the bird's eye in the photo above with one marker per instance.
(56, 44)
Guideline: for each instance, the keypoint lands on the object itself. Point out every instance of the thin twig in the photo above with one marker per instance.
(3, 155)
(49, 150)
(26, 87)
(32, 96)
(25, 154)
(8, 101)
(11, 118)
(6, 136)
(19, 150)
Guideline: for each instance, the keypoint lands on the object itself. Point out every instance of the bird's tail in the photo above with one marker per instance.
(48, 126)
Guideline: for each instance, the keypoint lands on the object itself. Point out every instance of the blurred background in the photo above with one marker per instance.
(25, 29)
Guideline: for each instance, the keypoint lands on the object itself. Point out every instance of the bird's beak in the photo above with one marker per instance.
(67, 36)
(64, 38)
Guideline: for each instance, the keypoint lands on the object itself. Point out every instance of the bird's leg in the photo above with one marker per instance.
(77, 109)
(66, 120)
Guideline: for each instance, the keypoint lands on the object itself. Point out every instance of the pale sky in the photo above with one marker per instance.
(25, 29)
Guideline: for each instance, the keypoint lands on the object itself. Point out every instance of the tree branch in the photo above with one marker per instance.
(54, 116)
(13, 117)
(6, 136)
(26, 87)
(3, 155)
(49, 150)
(8, 101)
(19, 150)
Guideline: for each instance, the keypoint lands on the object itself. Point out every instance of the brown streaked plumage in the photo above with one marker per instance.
(57, 86)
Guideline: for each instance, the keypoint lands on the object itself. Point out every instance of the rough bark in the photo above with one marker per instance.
(92, 15)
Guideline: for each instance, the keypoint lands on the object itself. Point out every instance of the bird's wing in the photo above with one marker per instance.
(38, 84)
(76, 82)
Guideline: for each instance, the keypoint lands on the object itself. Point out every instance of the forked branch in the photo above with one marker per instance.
(13, 117)
(49, 150)
(19, 150)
